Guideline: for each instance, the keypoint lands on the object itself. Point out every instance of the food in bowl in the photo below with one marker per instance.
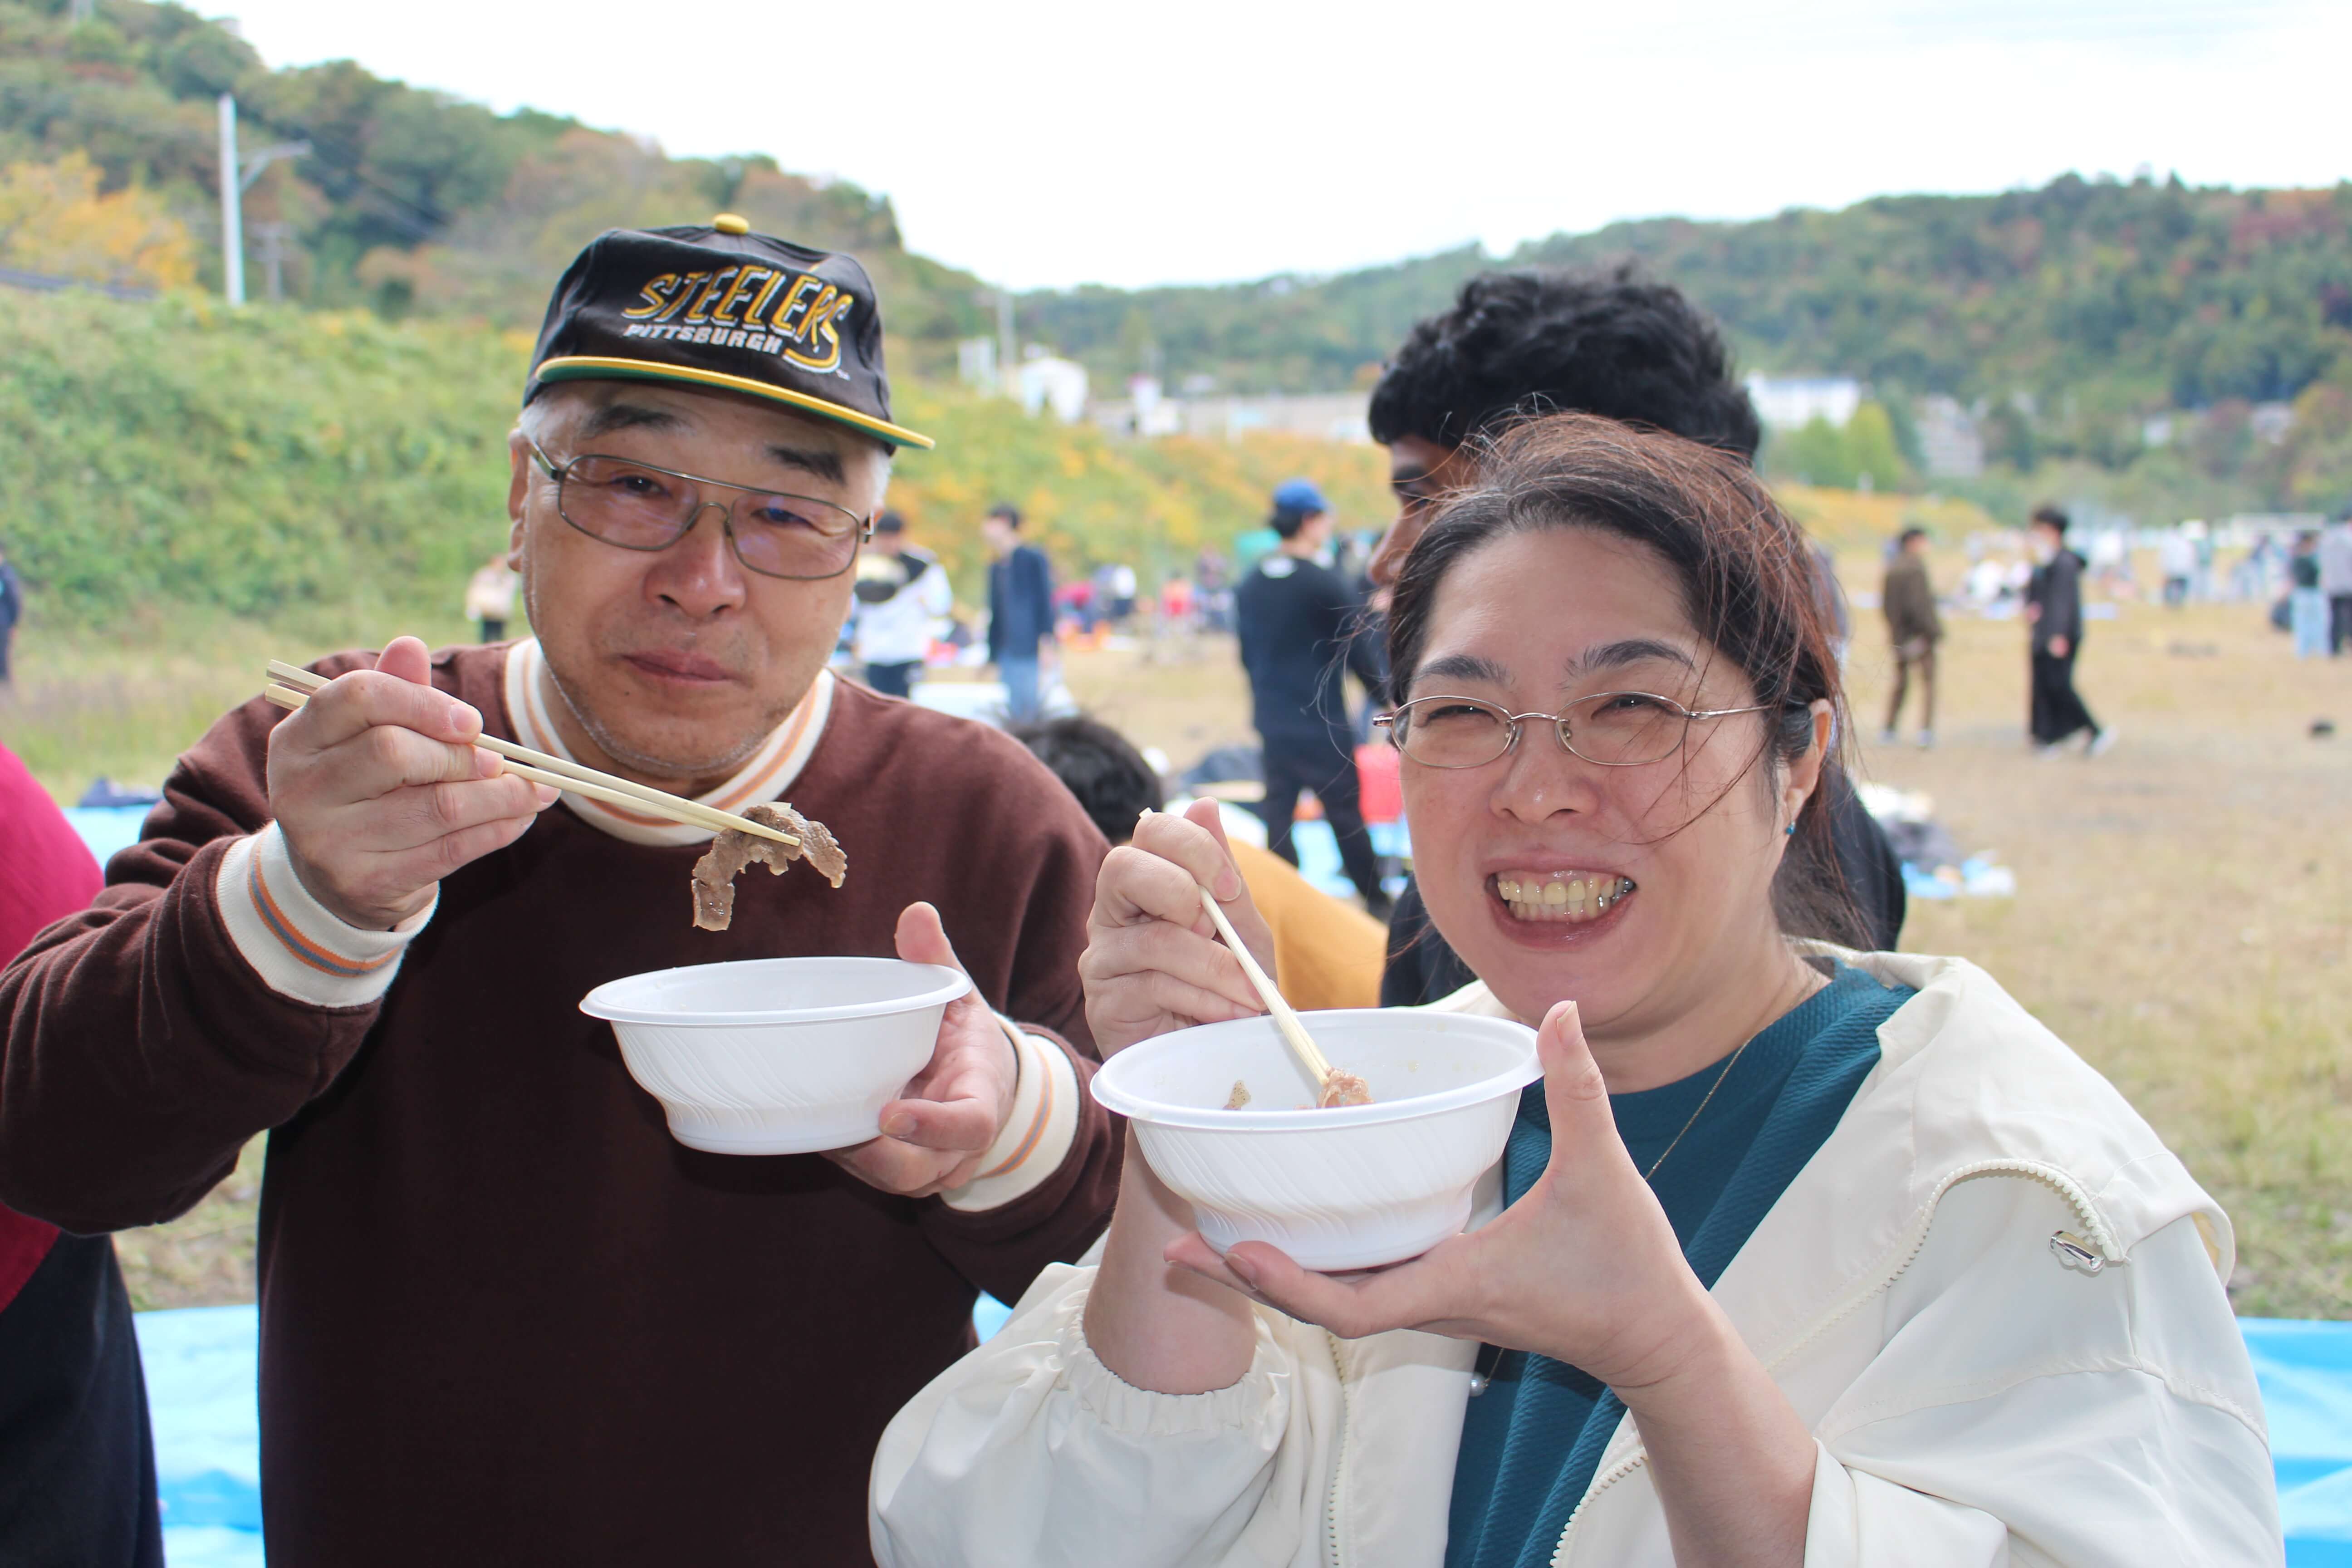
(777, 1056)
(1343, 1089)
(734, 850)
(1346, 1187)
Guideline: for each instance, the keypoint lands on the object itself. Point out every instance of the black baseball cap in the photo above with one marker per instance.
(723, 307)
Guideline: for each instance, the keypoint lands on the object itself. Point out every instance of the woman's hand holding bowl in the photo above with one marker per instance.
(1585, 1268)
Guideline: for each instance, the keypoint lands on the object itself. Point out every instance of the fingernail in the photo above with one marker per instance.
(548, 794)
(1229, 886)
(899, 1126)
(1241, 1270)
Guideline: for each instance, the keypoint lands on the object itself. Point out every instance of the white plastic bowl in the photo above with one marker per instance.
(1351, 1187)
(777, 1056)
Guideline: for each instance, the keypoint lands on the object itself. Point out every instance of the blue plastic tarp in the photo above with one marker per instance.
(2306, 1375)
(201, 1364)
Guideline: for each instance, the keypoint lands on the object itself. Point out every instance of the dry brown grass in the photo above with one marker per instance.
(2184, 912)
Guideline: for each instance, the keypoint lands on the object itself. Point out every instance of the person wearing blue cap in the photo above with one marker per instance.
(1298, 622)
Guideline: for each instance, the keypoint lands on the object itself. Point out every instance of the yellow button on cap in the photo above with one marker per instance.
(731, 223)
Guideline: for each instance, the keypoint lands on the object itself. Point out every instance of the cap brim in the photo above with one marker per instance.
(597, 367)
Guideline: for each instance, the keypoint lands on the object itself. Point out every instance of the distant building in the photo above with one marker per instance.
(1790, 403)
(2271, 421)
(1344, 417)
(1950, 448)
(1045, 381)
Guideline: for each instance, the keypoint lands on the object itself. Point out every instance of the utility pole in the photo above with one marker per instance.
(237, 177)
(232, 206)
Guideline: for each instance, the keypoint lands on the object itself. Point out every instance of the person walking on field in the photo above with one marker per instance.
(12, 610)
(1915, 628)
(491, 596)
(2335, 580)
(902, 593)
(1019, 612)
(1298, 626)
(2054, 615)
(2307, 609)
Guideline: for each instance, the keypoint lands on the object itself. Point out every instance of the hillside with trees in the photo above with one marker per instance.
(2151, 347)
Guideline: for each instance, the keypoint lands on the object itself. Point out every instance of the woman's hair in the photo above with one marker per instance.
(1748, 586)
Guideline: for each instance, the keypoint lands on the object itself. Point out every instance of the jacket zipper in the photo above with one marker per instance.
(2094, 1229)
(1339, 1461)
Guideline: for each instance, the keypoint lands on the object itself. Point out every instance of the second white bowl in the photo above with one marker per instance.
(1352, 1187)
(777, 1056)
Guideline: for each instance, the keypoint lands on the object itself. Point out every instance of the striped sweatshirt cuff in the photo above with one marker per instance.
(1037, 1135)
(300, 949)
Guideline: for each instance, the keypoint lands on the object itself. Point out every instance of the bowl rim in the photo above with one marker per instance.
(1111, 1096)
(950, 985)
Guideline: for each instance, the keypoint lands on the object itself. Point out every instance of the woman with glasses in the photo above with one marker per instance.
(1798, 1254)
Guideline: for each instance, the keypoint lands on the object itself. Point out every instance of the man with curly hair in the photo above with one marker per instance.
(1533, 341)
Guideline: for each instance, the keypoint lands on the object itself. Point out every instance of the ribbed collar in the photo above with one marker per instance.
(766, 776)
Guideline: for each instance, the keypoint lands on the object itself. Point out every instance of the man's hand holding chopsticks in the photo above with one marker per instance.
(933, 1137)
(380, 793)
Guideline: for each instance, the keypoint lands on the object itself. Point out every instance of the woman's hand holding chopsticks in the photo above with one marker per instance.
(1154, 963)
(380, 793)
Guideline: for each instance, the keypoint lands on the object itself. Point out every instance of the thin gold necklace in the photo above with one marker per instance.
(1728, 1066)
(1811, 989)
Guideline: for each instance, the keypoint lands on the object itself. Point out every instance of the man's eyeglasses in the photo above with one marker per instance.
(638, 506)
(1614, 729)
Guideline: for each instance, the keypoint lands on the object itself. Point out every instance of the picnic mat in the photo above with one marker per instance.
(200, 1362)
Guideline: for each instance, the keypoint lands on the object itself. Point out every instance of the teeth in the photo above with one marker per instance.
(1556, 897)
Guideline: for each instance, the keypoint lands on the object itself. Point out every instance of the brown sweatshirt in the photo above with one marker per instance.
(506, 1319)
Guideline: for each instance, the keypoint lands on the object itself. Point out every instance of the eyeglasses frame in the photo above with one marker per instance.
(864, 536)
(1516, 723)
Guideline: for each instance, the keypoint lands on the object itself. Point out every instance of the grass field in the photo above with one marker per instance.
(2183, 915)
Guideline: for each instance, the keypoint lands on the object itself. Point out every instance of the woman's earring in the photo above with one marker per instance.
(1790, 830)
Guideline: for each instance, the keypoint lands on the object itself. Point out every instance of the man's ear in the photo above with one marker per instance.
(519, 467)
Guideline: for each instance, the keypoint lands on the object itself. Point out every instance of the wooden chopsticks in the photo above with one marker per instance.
(290, 686)
(1302, 1044)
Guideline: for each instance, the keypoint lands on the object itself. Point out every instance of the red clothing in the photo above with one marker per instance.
(505, 1317)
(77, 1462)
(46, 874)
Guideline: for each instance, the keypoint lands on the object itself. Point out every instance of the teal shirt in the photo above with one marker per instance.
(1530, 1443)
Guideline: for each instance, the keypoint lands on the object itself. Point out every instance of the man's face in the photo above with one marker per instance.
(1421, 472)
(1000, 534)
(678, 663)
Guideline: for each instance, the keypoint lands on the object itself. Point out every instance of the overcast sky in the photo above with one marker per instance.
(1053, 144)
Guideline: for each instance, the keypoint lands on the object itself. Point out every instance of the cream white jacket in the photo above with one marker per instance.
(1993, 1295)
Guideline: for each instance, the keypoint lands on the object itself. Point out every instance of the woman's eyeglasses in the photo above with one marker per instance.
(638, 506)
(1614, 729)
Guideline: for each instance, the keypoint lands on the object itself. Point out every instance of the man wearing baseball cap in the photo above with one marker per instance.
(1299, 627)
(505, 1317)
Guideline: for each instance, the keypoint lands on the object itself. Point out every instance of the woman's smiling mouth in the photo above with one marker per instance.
(1573, 898)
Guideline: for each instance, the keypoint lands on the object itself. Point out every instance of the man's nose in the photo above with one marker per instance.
(699, 574)
(1387, 555)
